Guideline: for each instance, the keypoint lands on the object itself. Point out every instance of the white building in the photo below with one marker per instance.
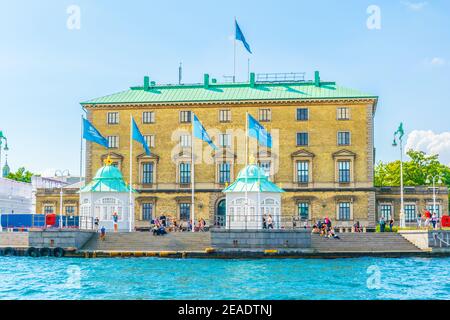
(15, 196)
(251, 199)
(105, 195)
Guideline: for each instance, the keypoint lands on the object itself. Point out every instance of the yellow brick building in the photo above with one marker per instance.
(322, 153)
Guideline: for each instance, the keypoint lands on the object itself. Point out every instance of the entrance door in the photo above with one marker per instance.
(221, 213)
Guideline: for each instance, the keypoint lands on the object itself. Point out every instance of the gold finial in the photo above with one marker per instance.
(252, 159)
(107, 161)
(226, 184)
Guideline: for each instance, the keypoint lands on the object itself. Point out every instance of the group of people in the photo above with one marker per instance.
(162, 223)
(424, 220)
(383, 223)
(325, 229)
(267, 222)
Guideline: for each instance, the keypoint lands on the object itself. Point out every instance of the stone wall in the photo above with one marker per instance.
(59, 238)
(13, 239)
(267, 239)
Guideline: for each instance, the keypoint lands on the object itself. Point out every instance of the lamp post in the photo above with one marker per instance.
(3, 138)
(433, 178)
(62, 174)
(399, 134)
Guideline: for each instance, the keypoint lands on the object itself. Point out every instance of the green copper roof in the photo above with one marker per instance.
(252, 179)
(107, 179)
(214, 92)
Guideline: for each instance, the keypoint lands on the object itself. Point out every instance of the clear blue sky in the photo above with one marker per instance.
(47, 69)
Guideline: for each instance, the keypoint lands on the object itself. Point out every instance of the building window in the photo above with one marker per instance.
(302, 114)
(302, 171)
(185, 141)
(386, 211)
(436, 210)
(185, 172)
(410, 212)
(150, 140)
(113, 117)
(265, 165)
(302, 139)
(224, 115)
(185, 116)
(343, 113)
(185, 211)
(225, 140)
(344, 171)
(343, 138)
(224, 172)
(113, 141)
(265, 115)
(49, 209)
(70, 210)
(344, 210)
(147, 211)
(147, 173)
(148, 117)
(303, 210)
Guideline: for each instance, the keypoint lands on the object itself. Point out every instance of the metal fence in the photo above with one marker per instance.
(258, 222)
(24, 222)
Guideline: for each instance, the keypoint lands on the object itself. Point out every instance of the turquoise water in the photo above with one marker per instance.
(154, 278)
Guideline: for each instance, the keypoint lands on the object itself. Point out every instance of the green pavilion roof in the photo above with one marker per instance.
(252, 179)
(211, 91)
(107, 179)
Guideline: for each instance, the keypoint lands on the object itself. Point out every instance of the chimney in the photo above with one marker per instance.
(252, 79)
(206, 81)
(316, 78)
(146, 83)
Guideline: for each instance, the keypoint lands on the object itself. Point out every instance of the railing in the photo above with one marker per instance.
(281, 77)
(257, 222)
(441, 239)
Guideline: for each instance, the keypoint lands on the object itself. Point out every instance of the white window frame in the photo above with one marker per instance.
(148, 117)
(114, 116)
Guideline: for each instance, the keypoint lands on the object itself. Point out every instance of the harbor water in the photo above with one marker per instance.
(159, 278)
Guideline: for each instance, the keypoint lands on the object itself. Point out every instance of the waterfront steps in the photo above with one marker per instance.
(146, 241)
(363, 242)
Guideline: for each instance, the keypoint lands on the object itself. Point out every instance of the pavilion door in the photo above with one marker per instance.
(220, 214)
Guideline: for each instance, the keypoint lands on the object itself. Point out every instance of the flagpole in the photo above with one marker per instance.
(81, 153)
(246, 163)
(130, 214)
(192, 174)
(234, 60)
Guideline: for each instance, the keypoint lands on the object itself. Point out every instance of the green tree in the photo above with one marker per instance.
(21, 175)
(415, 171)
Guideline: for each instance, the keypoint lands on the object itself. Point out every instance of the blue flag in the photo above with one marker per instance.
(256, 130)
(137, 135)
(240, 37)
(200, 132)
(91, 133)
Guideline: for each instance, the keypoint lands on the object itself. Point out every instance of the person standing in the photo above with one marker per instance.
(264, 221)
(270, 222)
(427, 215)
(96, 222)
(102, 233)
(391, 224)
(434, 220)
(382, 224)
(115, 221)
(419, 220)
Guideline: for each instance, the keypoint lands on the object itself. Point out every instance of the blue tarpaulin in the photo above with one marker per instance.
(28, 220)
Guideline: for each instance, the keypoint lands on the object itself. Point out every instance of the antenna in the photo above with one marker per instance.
(180, 73)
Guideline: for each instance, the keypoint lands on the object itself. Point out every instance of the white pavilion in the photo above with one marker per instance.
(251, 199)
(105, 195)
